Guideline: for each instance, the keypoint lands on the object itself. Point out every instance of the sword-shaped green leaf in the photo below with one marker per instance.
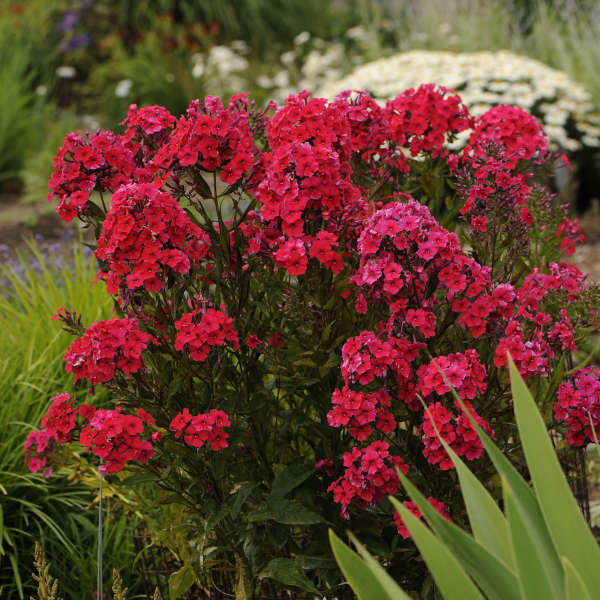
(568, 529)
(447, 571)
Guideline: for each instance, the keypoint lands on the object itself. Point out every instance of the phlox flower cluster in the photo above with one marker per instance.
(532, 335)
(519, 132)
(421, 119)
(116, 437)
(504, 137)
(210, 137)
(198, 331)
(358, 411)
(458, 432)
(404, 251)
(369, 476)
(304, 181)
(146, 236)
(57, 425)
(83, 163)
(59, 420)
(578, 406)
(464, 372)
(105, 347)
(111, 435)
(414, 509)
(201, 429)
(367, 356)
(307, 197)
(147, 121)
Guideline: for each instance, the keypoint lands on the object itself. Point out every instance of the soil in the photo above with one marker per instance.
(19, 220)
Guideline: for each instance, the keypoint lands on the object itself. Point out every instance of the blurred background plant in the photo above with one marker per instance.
(79, 63)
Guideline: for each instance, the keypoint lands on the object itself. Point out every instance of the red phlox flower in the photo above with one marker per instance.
(147, 234)
(578, 402)
(369, 476)
(105, 347)
(422, 119)
(198, 331)
(204, 428)
(414, 509)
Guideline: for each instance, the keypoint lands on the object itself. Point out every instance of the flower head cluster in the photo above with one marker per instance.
(578, 406)
(359, 411)
(115, 437)
(147, 121)
(198, 331)
(105, 347)
(422, 119)
(208, 428)
(306, 194)
(464, 372)
(414, 509)
(84, 163)
(145, 237)
(369, 475)
(368, 356)
(211, 137)
(39, 447)
(458, 432)
(536, 332)
(403, 251)
(57, 425)
(59, 420)
(514, 129)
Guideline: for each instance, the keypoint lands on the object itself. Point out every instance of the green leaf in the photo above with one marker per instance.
(494, 577)
(288, 512)
(534, 581)
(386, 581)
(290, 478)
(447, 571)
(489, 526)
(364, 580)
(286, 571)
(527, 504)
(240, 497)
(180, 582)
(568, 529)
(575, 588)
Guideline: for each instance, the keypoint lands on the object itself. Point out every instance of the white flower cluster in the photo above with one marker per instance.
(483, 80)
(223, 65)
(307, 66)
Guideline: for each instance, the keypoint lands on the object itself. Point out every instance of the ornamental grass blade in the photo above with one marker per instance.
(390, 586)
(488, 524)
(447, 571)
(527, 505)
(574, 587)
(363, 580)
(495, 579)
(534, 580)
(571, 534)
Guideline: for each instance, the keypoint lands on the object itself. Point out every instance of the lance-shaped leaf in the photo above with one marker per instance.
(534, 580)
(495, 578)
(575, 588)
(489, 526)
(571, 534)
(527, 505)
(365, 581)
(447, 571)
